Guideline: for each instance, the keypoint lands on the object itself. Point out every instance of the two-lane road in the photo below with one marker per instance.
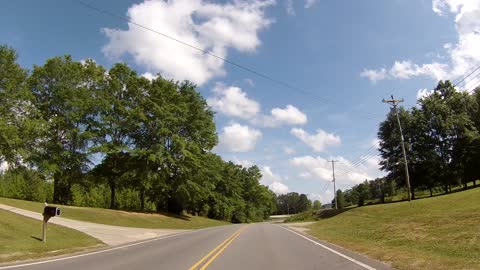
(254, 246)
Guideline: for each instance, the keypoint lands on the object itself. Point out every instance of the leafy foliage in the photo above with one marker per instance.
(115, 139)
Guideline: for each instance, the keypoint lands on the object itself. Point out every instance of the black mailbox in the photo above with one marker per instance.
(51, 211)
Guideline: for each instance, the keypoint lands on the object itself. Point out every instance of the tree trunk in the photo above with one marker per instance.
(431, 192)
(112, 194)
(413, 193)
(474, 182)
(142, 199)
(61, 189)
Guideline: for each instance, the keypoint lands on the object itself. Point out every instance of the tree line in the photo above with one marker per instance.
(442, 145)
(76, 133)
(293, 203)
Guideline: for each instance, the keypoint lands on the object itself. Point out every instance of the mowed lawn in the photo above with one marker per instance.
(436, 233)
(121, 218)
(20, 239)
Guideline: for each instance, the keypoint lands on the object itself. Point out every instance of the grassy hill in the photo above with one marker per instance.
(122, 218)
(20, 238)
(436, 233)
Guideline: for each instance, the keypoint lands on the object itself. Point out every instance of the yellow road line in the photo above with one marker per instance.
(204, 258)
(221, 250)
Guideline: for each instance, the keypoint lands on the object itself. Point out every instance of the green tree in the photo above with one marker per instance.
(64, 94)
(317, 205)
(19, 121)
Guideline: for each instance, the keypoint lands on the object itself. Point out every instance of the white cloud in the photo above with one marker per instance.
(273, 181)
(232, 101)
(319, 141)
(211, 27)
(278, 188)
(305, 175)
(149, 76)
(244, 162)
(463, 56)
(374, 75)
(289, 7)
(290, 115)
(288, 150)
(310, 3)
(423, 93)
(347, 173)
(268, 177)
(239, 138)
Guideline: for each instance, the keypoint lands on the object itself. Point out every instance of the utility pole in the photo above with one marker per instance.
(394, 102)
(334, 187)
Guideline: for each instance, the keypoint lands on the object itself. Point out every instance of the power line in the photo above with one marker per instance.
(368, 115)
(466, 76)
(245, 68)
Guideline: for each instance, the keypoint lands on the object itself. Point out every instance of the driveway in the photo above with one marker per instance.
(111, 235)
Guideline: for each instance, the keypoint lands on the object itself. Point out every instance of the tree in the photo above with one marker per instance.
(317, 205)
(62, 92)
(340, 200)
(19, 121)
(118, 101)
(304, 203)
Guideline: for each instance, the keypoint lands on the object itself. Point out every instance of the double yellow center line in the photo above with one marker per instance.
(212, 255)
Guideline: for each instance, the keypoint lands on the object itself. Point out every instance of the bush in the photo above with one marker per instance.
(25, 184)
(95, 196)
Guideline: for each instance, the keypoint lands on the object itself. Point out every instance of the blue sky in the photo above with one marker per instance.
(342, 57)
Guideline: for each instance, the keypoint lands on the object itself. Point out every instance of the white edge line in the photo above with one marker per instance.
(329, 249)
(95, 252)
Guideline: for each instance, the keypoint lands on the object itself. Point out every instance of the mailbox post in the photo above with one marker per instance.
(48, 212)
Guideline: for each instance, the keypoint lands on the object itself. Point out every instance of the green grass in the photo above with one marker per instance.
(20, 239)
(122, 218)
(306, 216)
(436, 233)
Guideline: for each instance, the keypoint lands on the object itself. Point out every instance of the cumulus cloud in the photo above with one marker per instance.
(346, 171)
(278, 188)
(149, 76)
(212, 27)
(319, 141)
(374, 75)
(273, 181)
(463, 56)
(423, 93)
(232, 101)
(239, 138)
(291, 115)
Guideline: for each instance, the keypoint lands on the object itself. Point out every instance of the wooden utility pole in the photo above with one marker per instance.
(394, 102)
(334, 186)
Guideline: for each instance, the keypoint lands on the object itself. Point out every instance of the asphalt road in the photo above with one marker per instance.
(254, 246)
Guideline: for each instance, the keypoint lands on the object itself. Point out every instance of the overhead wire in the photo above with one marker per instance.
(326, 101)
